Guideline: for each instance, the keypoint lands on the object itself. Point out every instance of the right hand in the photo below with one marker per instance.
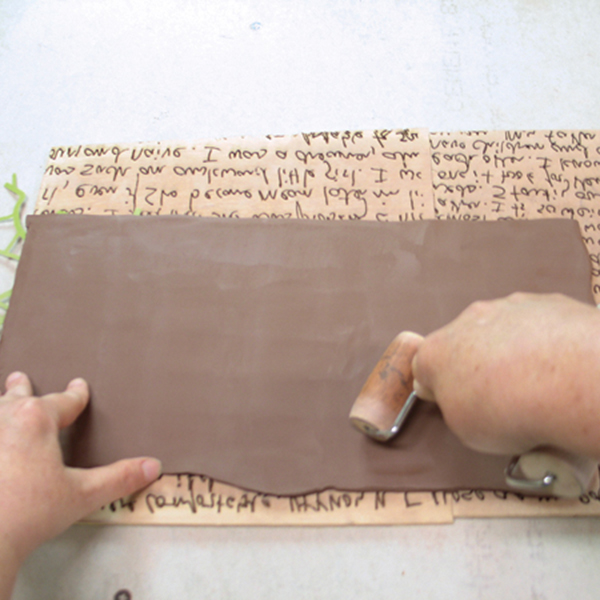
(516, 373)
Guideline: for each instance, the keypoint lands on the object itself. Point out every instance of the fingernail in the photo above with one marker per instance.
(151, 468)
(78, 382)
(14, 377)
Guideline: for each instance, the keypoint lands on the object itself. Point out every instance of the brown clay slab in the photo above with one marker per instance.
(235, 349)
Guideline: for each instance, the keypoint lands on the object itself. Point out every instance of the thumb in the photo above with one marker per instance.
(102, 485)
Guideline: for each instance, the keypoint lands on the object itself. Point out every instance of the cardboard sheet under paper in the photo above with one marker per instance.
(236, 348)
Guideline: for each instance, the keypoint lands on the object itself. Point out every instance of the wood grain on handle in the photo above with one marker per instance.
(388, 386)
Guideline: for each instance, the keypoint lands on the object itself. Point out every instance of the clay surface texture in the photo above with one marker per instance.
(235, 348)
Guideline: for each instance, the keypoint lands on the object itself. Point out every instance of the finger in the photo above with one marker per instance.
(103, 485)
(422, 390)
(17, 386)
(68, 405)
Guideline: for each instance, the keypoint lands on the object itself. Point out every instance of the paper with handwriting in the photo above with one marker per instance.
(198, 500)
(521, 175)
(387, 175)
(382, 175)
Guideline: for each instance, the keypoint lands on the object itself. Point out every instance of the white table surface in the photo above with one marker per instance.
(92, 71)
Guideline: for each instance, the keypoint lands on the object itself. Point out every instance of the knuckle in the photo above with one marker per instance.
(33, 415)
(558, 297)
(517, 296)
(479, 307)
(410, 340)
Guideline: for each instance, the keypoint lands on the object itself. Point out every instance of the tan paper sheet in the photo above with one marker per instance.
(402, 174)
(192, 500)
(383, 175)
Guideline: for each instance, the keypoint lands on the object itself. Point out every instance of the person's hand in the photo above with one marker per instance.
(516, 373)
(39, 496)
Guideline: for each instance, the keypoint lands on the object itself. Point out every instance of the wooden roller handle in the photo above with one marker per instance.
(388, 387)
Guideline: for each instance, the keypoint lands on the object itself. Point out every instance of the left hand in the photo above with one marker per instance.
(39, 496)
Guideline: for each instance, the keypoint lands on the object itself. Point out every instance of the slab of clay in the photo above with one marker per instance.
(235, 349)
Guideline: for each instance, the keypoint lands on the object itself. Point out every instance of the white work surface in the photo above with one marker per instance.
(94, 71)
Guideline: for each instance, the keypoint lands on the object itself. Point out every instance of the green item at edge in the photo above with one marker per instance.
(20, 233)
